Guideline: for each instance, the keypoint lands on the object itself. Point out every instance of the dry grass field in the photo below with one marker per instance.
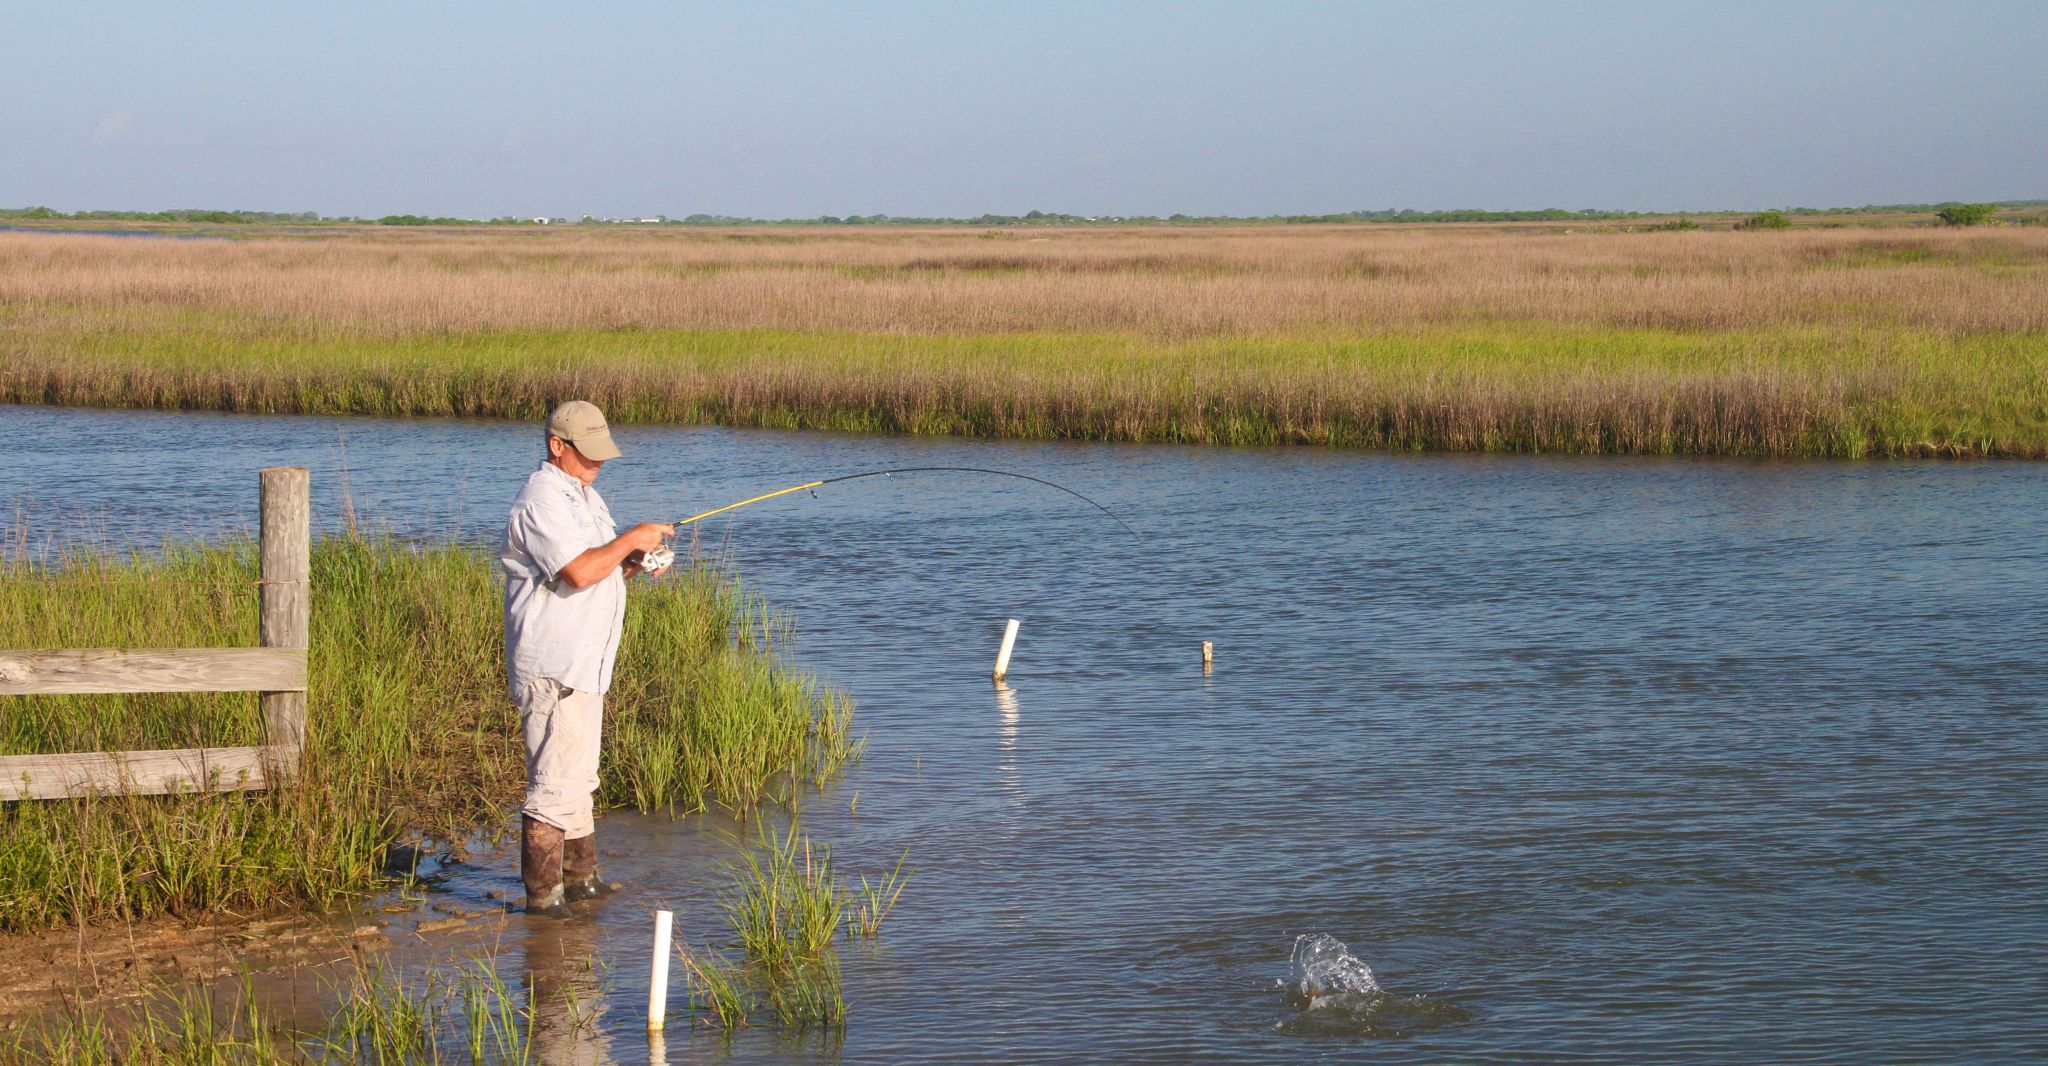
(1828, 342)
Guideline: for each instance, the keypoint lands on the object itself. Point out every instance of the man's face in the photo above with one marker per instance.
(564, 454)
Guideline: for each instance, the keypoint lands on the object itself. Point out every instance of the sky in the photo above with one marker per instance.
(956, 109)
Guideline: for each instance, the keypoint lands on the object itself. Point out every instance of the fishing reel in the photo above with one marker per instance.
(658, 559)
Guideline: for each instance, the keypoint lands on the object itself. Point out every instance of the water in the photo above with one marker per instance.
(144, 233)
(1609, 760)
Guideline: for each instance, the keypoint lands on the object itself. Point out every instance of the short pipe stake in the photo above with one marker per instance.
(657, 979)
(1003, 656)
(1208, 653)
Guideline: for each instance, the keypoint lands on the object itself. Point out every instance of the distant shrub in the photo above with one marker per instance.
(1676, 225)
(1953, 214)
(1765, 220)
(427, 220)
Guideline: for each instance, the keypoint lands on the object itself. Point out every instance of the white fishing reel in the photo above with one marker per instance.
(658, 559)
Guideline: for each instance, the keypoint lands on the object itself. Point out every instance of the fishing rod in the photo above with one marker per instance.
(815, 485)
(665, 555)
(914, 470)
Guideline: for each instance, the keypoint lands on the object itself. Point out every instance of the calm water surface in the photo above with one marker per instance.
(1603, 760)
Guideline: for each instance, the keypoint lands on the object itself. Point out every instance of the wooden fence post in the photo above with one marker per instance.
(277, 671)
(286, 619)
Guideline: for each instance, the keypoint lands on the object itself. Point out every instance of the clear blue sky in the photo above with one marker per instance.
(960, 108)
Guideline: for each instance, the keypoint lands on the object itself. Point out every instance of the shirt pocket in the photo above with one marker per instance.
(592, 527)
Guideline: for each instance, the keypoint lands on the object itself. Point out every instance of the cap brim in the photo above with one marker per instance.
(598, 447)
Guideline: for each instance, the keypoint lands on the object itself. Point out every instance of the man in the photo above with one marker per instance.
(565, 603)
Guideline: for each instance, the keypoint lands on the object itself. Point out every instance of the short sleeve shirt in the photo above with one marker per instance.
(553, 629)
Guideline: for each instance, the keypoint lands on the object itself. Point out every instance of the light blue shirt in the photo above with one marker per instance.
(553, 629)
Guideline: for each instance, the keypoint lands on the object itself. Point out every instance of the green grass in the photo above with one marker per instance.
(718, 990)
(874, 900)
(701, 711)
(411, 731)
(1833, 391)
(468, 1015)
(785, 906)
(784, 901)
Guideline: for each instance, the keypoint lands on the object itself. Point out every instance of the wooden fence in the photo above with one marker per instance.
(277, 670)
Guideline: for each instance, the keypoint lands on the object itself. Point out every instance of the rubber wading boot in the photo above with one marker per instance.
(579, 870)
(540, 866)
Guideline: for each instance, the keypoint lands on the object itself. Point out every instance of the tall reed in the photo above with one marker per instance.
(1821, 342)
(1833, 342)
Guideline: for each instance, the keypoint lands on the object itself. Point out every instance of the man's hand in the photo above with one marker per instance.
(597, 563)
(646, 536)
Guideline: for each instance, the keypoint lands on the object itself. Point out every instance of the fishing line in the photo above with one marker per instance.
(914, 470)
(665, 554)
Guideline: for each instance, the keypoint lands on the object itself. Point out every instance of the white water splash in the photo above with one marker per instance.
(1323, 967)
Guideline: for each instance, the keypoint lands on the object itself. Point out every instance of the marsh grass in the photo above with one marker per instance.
(175, 1027)
(718, 989)
(411, 732)
(1823, 343)
(701, 711)
(873, 901)
(784, 901)
(785, 905)
(807, 995)
(467, 1015)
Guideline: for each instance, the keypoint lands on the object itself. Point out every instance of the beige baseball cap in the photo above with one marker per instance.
(580, 423)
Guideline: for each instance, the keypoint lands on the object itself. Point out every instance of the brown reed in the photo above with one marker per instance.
(1828, 342)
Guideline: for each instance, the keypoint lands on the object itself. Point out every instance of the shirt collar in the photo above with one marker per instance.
(568, 480)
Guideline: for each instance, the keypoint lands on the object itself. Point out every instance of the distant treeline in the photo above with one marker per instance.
(1031, 218)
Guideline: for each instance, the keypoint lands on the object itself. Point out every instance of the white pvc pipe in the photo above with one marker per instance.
(1208, 654)
(657, 981)
(1003, 656)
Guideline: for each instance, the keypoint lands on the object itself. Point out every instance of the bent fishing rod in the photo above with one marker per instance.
(814, 485)
(664, 555)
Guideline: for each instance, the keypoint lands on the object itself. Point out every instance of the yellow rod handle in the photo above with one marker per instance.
(757, 499)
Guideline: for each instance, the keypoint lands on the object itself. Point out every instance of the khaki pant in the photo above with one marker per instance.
(562, 729)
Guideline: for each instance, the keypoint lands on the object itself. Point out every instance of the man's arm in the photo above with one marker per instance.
(596, 564)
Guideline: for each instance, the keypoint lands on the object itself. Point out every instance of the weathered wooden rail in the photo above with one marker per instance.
(276, 670)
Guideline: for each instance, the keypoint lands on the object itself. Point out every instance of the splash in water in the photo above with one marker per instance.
(1337, 995)
(1323, 967)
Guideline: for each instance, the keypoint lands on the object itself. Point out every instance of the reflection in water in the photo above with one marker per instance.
(1006, 706)
(567, 1024)
(1008, 780)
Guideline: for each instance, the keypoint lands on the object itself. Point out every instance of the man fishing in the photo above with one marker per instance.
(566, 567)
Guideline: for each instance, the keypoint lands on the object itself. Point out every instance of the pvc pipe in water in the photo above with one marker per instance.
(1208, 653)
(1003, 656)
(657, 979)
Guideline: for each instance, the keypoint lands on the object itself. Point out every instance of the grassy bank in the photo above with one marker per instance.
(1828, 343)
(411, 732)
(1803, 393)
